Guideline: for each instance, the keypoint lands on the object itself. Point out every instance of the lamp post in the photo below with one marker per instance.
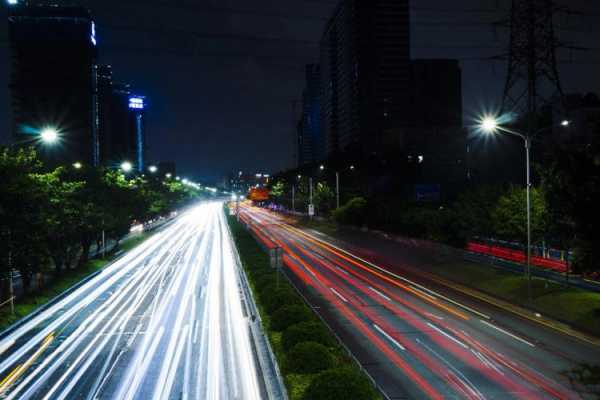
(491, 125)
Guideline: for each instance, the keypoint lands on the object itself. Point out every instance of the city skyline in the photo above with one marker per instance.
(217, 90)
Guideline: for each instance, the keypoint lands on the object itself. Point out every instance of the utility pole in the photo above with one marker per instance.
(293, 198)
(337, 189)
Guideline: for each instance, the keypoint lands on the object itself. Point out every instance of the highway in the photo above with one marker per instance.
(419, 341)
(165, 321)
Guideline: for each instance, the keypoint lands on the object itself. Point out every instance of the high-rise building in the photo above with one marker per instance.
(53, 79)
(105, 100)
(311, 146)
(123, 136)
(365, 75)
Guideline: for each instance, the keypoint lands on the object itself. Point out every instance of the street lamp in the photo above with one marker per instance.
(49, 135)
(153, 169)
(77, 165)
(168, 175)
(126, 166)
(490, 125)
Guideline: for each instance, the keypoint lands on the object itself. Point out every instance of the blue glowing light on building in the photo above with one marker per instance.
(136, 103)
(93, 33)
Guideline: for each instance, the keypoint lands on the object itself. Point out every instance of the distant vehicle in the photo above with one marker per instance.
(258, 194)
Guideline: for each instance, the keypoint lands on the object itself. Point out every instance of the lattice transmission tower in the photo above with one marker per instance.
(532, 80)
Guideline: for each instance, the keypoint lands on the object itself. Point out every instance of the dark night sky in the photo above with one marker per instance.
(221, 75)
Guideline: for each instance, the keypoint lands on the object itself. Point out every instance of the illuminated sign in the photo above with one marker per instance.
(136, 103)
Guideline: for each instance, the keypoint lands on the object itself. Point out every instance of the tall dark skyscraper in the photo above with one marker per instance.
(123, 135)
(365, 75)
(53, 81)
(311, 145)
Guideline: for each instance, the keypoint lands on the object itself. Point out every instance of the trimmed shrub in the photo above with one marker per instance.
(306, 332)
(308, 358)
(340, 384)
(353, 212)
(266, 281)
(289, 315)
(273, 300)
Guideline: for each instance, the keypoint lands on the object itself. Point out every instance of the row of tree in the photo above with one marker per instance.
(565, 206)
(49, 219)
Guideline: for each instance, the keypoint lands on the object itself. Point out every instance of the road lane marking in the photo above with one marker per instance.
(388, 337)
(397, 276)
(339, 295)
(17, 372)
(447, 335)
(507, 333)
(379, 293)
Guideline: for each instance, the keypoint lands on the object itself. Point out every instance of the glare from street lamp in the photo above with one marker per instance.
(565, 123)
(153, 169)
(322, 167)
(77, 165)
(49, 135)
(168, 175)
(489, 124)
(126, 166)
(352, 167)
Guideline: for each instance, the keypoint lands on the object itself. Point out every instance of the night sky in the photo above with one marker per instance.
(221, 75)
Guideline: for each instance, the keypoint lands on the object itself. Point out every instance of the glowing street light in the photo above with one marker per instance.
(153, 169)
(49, 135)
(126, 166)
(77, 165)
(491, 125)
(168, 175)
(322, 167)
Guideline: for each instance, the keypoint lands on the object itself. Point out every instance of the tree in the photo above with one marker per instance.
(22, 202)
(509, 216)
(323, 198)
(473, 212)
(572, 186)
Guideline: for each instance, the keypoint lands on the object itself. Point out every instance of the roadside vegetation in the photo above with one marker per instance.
(575, 307)
(386, 197)
(313, 364)
(50, 218)
(37, 298)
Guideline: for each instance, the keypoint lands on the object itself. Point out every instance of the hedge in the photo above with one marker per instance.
(291, 324)
(306, 332)
(289, 315)
(340, 384)
(309, 358)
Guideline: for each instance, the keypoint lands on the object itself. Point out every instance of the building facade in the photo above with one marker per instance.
(122, 128)
(53, 80)
(311, 146)
(365, 76)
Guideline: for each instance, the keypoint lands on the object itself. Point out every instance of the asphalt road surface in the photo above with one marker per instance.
(420, 342)
(165, 321)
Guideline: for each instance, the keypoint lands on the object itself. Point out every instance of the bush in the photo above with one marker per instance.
(289, 315)
(306, 332)
(353, 212)
(265, 281)
(273, 300)
(340, 384)
(308, 358)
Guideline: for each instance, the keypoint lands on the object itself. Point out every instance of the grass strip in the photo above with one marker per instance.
(262, 279)
(32, 301)
(576, 307)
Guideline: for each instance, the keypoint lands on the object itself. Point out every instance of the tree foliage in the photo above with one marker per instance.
(50, 219)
